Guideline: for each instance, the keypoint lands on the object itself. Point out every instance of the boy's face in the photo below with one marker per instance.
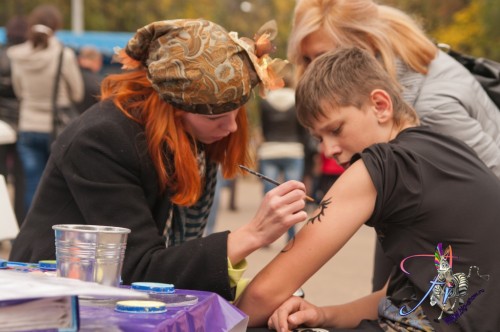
(348, 130)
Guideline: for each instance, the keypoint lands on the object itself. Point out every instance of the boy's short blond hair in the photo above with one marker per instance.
(346, 77)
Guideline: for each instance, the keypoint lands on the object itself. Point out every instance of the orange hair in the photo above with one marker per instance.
(133, 94)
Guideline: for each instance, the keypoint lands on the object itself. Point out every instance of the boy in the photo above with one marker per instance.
(433, 203)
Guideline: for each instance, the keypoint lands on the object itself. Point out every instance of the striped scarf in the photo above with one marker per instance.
(187, 223)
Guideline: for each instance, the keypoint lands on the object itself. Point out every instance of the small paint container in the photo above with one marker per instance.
(47, 265)
(140, 307)
(3, 264)
(153, 287)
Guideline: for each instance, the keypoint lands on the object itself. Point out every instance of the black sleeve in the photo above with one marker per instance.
(199, 264)
(396, 177)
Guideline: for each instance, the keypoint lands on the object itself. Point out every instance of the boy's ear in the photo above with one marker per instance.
(382, 105)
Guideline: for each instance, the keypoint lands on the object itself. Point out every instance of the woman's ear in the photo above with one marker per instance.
(382, 103)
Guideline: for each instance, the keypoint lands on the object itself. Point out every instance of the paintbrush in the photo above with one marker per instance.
(265, 178)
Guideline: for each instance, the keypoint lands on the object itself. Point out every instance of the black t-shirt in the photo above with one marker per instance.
(432, 189)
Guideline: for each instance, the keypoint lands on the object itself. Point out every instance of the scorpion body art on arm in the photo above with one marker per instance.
(322, 206)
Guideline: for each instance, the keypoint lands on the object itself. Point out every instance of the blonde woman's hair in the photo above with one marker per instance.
(346, 77)
(384, 31)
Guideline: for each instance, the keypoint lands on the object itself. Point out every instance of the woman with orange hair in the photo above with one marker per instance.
(146, 158)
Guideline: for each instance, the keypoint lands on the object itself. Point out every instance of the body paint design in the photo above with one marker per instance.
(322, 206)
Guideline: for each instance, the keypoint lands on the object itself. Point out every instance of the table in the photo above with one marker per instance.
(97, 303)
(211, 313)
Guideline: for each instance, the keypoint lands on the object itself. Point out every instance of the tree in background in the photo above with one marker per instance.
(128, 15)
(463, 30)
(466, 25)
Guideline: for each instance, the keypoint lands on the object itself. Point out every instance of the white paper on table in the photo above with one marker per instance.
(16, 285)
(8, 222)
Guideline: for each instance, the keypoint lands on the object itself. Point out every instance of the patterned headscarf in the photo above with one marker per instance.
(197, 66)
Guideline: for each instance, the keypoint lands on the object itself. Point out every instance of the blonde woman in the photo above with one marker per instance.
(445, 95)
(34, 67)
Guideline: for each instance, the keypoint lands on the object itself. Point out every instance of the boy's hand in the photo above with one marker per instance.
(295, 312)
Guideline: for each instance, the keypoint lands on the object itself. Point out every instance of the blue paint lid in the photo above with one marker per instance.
(141, 307)
(3, 264)
(153, 287)
(48, 265)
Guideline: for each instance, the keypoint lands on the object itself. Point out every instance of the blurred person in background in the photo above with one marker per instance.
(16, 31)
(329, 172)
(34, 68)
(90, 60)
(280, 154)
(445, 95)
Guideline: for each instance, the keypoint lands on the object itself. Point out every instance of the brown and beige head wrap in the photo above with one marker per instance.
(198, 67)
